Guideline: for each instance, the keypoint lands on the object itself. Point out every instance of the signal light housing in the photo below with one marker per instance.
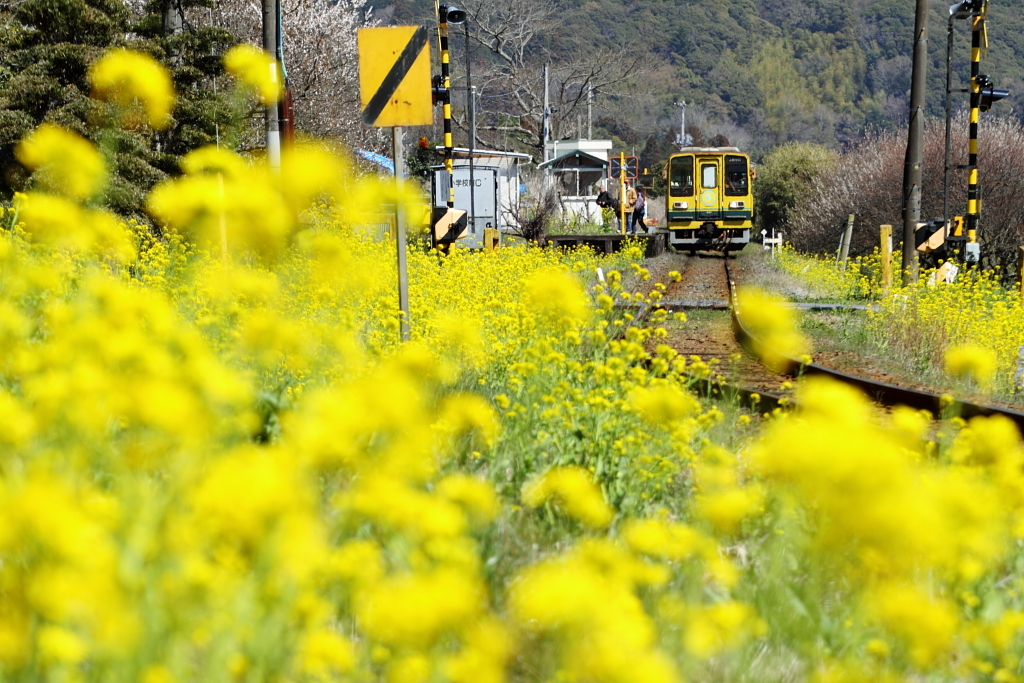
(987, 93)
(451, 15)
(966, 9)
(438, 93)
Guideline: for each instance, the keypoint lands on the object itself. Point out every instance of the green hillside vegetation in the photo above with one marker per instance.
(820, 71)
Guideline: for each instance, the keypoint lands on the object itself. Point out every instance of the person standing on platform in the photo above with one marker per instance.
(610, 203)
(639, 212)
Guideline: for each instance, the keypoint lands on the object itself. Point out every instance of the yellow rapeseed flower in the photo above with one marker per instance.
(64, 162)
(257, 69)
(663, 404)
(575, 489)
(971, 362)
(773, 326)
(125, 76)
(557, 295)
(415, 609)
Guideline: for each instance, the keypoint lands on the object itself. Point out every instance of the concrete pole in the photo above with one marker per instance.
(547, 114)
(590, 112)
(270, 45)
(844, 247)
(915, 144)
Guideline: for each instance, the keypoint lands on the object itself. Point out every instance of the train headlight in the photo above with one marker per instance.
(681, 205)
(736, 205)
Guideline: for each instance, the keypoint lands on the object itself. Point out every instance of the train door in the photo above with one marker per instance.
(709, 191)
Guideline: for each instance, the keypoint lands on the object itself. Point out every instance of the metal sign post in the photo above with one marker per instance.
(400, 245)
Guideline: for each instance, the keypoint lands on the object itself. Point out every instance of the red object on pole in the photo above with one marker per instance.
(288, 116)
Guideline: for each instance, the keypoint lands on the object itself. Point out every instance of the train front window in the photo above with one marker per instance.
(681, 177)
(708, 176)
(736, 176)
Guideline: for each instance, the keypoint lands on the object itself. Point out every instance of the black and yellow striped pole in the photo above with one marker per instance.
(446, 14)
(446, 103)
(973, 200)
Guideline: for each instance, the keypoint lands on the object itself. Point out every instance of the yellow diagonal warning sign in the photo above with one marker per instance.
(394, 76)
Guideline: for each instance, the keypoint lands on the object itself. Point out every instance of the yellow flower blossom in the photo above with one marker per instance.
(64, 162)
(773, 326)
(125, 76)
(971, 362)
(256, 69)
(415, 609)
(575, 489)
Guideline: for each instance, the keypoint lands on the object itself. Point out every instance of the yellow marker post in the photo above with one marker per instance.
(622, 192)
(1020, 270)
(885, 237)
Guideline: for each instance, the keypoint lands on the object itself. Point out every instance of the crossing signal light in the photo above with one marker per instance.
(988, 93)
(451, 15)
(438, 93)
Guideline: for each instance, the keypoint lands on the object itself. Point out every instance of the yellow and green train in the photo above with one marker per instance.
(709, 202)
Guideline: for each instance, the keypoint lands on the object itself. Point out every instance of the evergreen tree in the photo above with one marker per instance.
(193, 53)
(47, 47)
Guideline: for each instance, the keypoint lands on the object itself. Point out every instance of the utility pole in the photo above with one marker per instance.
(590, 112)
(547, 114)
(915, 144)
(682, 122)
(270, 46)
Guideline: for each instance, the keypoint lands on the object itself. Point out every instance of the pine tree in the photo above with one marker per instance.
(193, 52)
(46, 48)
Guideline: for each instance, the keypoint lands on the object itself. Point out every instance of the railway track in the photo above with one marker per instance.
(723, 340)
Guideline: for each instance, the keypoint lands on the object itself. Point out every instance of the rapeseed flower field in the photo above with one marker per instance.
(218, 463)
(968, 333)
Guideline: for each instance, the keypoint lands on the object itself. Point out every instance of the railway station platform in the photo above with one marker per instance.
(610, 243)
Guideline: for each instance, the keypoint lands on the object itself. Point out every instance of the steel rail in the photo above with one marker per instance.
(880, 392)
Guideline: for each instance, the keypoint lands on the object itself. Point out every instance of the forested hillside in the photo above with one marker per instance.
(763, 72)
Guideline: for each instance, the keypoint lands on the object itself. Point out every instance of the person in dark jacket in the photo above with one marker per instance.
(606, 201)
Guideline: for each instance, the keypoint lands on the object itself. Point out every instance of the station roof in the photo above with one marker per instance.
(575, 161)
(464, 152)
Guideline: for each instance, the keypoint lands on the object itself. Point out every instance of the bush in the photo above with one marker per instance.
(868, 179)
(784, 179)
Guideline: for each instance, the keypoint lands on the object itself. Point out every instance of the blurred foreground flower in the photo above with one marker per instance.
(124, 76)
(256, 69)
(64, 162)
(67, 225)
(773, 326)
(576, 490)
(557, 295)
(971, 362)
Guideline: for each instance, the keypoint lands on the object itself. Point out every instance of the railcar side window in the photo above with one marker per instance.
(736, 176)
(708, 176)
(681, 177)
